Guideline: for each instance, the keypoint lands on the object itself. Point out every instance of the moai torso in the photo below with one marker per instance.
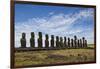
(52, 40)
(40, 40)
(32, 40)
(57, 42)
(68, 42)
(46, 41)
(72, 43)
(83, 42)
(75, 41)
(23, 41)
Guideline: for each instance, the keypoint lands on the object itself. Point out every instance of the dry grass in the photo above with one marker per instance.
(54, 56)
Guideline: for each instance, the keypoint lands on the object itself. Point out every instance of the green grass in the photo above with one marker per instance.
(53, 56)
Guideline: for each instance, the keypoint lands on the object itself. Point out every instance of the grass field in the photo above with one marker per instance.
(54, 56)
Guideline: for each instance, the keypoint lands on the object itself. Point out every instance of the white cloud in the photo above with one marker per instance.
(59, 24)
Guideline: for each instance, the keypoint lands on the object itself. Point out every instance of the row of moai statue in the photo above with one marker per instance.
(59, 43)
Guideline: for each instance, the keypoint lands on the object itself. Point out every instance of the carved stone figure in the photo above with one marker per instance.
(57, 42)
(52, 40)
(46, 41)
(32, 40)
(68, 42)
(40, 40)
(23, 41)
(72, 43)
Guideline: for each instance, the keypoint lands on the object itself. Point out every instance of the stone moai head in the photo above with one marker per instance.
(40, 34)
(68, 39)
(47, 37)
(23, 35)
(52, 36)
(80, 41)
(71, 40)
(86, 41)
(83, 38)
(32, 34)
(75, 37)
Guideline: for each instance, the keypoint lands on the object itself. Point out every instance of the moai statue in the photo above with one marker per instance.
(52, 41)
(80, 43)
(57, 42)
(46, 41)
(68, 42)
(32, 40)
(72, 43)
(61, 42)
(23, 41)
(40, 40)
(75, 41)
(65, 44)
(83, 41)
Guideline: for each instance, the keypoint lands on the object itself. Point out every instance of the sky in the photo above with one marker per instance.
(53, 20)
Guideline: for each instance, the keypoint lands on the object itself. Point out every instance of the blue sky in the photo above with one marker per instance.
(56, 20)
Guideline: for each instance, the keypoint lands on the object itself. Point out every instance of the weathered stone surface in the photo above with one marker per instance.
(40, 40)
(72, 43)
(61, 42)
(57, 42)
(52, 41)
(75, 41)
(83, 41)
(46, 41)
(80, 43)
(32, 40)
(23, 40)
(68, 42)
